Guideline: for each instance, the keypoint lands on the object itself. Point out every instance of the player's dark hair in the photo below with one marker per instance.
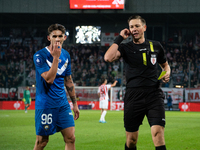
(137, 17)
(103, 80)
(56, 27)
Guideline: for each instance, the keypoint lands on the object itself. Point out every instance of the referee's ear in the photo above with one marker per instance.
(144, 27)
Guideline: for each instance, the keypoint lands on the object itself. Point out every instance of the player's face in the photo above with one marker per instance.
(137, 29)
(57, 36)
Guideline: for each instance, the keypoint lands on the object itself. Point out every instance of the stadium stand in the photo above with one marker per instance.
(21, 44)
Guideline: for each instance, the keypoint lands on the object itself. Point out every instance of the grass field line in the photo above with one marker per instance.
(182, 132)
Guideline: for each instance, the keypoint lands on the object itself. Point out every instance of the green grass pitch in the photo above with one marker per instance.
(182, 132)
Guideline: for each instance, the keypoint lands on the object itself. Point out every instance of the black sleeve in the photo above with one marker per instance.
(120, 49)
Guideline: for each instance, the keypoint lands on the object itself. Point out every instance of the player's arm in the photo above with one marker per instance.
(71, 91)
(112, 53)
(165, 67)
(50, 75)
(114, 84)
(23, 97)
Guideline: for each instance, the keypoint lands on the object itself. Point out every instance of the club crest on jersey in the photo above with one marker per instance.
(153, 59)
(66, 63)
(46, 127)
(38, 60)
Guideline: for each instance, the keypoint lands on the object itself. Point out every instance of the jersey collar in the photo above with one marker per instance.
(47, 49)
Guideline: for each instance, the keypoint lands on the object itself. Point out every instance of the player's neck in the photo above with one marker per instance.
(49, 47)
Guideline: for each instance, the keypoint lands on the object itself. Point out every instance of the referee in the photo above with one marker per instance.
(143, 94)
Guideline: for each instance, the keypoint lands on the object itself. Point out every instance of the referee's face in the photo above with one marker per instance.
(57, 36)
(137, 29)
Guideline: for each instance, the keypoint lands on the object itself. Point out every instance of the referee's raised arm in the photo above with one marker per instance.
(112, 53)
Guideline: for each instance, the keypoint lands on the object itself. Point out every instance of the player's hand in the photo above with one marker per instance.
(56, 49)
(115, 82)
(125, 33)
(76, 111)
(166, 77)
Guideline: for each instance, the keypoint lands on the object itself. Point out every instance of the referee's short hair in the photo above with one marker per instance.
(137, 17)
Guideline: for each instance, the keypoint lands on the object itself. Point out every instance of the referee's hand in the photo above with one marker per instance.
(166, 78)
(125, 33)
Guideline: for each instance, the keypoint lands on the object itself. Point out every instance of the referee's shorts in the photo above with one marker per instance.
(139, 102)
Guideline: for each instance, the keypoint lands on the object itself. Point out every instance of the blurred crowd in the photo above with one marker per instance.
(88, 65)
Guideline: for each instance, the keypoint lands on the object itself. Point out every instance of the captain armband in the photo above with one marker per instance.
(118, 39)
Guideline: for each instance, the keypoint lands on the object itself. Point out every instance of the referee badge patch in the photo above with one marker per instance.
(153, 59)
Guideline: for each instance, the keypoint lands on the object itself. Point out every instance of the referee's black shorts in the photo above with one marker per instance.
(139, 102)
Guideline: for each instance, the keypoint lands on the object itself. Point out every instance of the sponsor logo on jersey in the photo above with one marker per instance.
(144, 49)
(70, 113)
(153, 59)
(46, 127)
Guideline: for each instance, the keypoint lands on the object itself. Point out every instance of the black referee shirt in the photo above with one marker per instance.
(140, 61)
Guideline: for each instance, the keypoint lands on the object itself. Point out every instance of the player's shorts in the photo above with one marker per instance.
(103, 104)
(27, 102)
(139, 102)
(51, 120)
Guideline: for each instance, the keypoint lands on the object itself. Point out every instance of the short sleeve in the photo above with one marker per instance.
(120, 49)
(108, 86)
(68, 69)
(40, 63)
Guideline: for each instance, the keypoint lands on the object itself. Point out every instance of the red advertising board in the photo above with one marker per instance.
(15, 105)
(189, 106)
(19, 105)
(96, 4)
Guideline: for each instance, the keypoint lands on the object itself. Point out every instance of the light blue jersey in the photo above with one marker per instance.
(51, 95)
